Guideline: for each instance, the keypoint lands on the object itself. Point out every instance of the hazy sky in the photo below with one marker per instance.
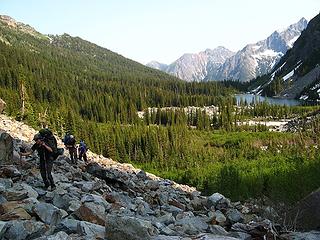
(161, 30)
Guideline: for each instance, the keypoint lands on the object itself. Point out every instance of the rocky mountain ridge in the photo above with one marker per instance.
(195, 66)
(108, 200)
(259, 58)
(222, 64)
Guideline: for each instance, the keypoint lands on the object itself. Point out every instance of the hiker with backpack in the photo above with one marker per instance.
(46, 146)
(83, 151)
(70, 143)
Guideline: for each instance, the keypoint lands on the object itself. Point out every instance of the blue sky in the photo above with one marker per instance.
(161, 30)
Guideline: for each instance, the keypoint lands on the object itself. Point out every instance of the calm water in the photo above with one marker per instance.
(251, 98)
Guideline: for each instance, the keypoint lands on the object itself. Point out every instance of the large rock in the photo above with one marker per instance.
(15, 194)
(234, 216)
(48, 213)
(72, 226)
(129, 228)
(2, 105)
(91, 231)
(218, 201)
(91, 212)
(306, 214)
(20, 230)
(13, 211)
(6, 148)
(191, 225)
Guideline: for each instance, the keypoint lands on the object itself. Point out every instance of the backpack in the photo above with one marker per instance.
(51, 141)
(82, 147)
(69, 140)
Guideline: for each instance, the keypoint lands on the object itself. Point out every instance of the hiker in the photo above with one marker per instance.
(82, 151)
(45, 149)
(70, 143)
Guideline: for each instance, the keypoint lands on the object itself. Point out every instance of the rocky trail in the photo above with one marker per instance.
(104, 199)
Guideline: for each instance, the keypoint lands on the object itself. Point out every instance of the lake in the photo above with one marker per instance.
(251, 98)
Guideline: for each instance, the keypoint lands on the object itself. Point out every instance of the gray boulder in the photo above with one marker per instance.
(166, 219)
(31, 192)
(234, 216)
(62, 201)
(129, 228)
(20, 230)
(68, 225)
(48, 213)
(90, 230)
(191, 225)
(218, 200)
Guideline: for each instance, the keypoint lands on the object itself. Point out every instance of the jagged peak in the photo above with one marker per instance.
(299, 26)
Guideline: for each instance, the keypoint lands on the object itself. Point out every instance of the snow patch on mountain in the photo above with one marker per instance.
(259, 58)
(289, 75)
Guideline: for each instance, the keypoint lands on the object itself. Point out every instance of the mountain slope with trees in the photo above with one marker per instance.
(70, 75)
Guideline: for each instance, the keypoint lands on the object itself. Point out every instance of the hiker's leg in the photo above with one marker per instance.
(71, 154)
(85, 157)
(74, 155)
(49, 166)
(43, 173)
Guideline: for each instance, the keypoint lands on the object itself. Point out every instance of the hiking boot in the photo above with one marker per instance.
(53, 188)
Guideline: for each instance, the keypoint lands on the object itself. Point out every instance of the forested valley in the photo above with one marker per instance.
(69, 84)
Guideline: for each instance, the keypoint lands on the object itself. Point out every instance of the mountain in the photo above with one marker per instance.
(195, 66)
(259, 58)
(222, 64)
(157, 65)
(297, 75)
